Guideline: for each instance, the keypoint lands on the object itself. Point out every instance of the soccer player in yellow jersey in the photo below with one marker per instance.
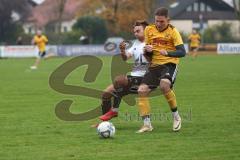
(195, 40)
(41, 41)
(164, 44)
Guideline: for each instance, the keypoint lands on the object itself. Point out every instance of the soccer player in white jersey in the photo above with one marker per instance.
(124, 85)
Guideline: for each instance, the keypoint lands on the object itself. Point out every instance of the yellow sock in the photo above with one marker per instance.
(171, 98)
(144, 106)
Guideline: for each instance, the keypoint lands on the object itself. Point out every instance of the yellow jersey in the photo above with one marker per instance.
(41, 42)
(194, 40)
(164, 40)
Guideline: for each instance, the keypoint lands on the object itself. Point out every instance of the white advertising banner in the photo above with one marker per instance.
(228, 48)
(19, 51)
(186, 47)
(1, 51)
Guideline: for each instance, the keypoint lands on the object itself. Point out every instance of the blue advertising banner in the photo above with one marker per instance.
(76, 50)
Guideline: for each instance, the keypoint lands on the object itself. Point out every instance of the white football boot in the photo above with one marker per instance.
(177, 123)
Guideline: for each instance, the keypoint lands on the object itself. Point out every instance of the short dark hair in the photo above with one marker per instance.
(162, 11)
(143, 23)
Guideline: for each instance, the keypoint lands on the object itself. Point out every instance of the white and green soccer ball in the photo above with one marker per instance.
(106, 129)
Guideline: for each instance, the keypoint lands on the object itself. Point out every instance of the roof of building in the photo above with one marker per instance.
(177, 9)
(47, 12)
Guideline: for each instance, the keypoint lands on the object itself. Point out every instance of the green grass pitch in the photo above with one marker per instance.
(208, 94)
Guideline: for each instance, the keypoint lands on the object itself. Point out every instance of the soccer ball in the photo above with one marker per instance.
(106, 129)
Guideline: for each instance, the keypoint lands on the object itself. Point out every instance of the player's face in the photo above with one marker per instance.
(161, 22)
(39, 33)
(139, 32)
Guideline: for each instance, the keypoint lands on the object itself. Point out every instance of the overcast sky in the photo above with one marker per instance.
(229, 2)
(38, 1)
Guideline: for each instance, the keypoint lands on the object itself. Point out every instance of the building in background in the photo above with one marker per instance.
(197, 14)
(35, 2)
(185, 14)
(46, 16)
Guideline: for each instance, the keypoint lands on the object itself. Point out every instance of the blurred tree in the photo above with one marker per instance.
(218, 33)
(11, 13)
(236, 4)
(72, 37)
(119, 14)
(56, 12)
(94, 28)
(184, 37)
(60, 10)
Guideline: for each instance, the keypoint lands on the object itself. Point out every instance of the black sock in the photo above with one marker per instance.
(106, 105)
(174, 109)
(146, 116)
(116, 100)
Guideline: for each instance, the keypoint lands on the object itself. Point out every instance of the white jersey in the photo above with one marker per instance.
(141, 64)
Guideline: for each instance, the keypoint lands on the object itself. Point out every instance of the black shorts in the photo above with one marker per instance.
(155, 74)
(132, 86)
(133, 83)
(42, 54)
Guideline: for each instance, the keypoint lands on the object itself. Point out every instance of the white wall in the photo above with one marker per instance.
(187, 25)
(29, 26)
(183, 25)
(68, 25)
(65, 25)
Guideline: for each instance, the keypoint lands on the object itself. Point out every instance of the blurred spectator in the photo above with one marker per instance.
(84, 40)
(19, 41)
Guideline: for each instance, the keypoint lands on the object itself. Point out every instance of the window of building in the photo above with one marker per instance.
(189, 8)
(65, 29)
(195, 7)
(198, 25)
(202, 7)
(30, 30)
(209, 9)
(199, 6)
(175, 4)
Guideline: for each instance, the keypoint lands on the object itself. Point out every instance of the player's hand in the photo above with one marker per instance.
(122, 46)
(163, 52)
(148, 48)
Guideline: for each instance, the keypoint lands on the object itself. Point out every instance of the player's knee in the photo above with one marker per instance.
(165, 85)
(120, 81)
(143, 90)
